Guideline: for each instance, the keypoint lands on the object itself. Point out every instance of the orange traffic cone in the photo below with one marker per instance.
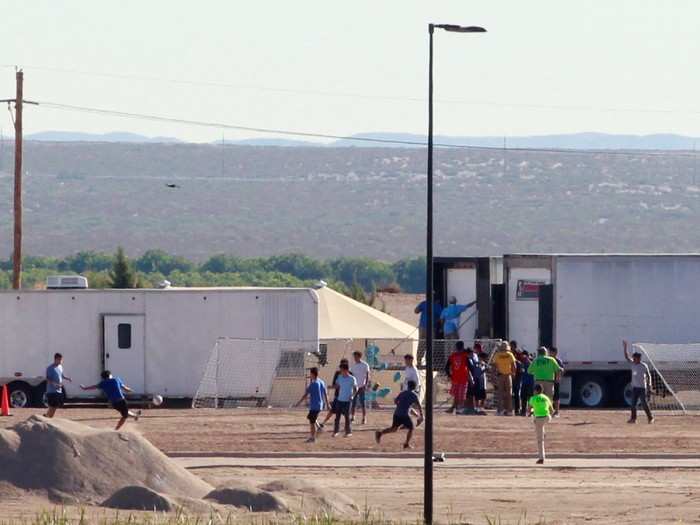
(5, 402)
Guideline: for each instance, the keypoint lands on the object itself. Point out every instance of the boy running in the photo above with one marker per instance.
(54, 385)
(114, 389)
(318, 399)
(347, 388)
(540, 407)
(405, 401)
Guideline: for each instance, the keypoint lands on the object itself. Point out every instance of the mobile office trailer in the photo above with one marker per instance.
(157, 341)
(585, 305)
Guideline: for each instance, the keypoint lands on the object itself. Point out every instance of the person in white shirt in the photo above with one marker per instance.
(360, 369)
(410, 373)
(641, 383)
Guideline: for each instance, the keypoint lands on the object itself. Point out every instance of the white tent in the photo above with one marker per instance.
(341, 317)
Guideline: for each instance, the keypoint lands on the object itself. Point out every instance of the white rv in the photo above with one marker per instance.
(157, 341)
(585, 305)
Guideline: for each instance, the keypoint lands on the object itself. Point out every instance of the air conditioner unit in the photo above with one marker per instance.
(66, 282)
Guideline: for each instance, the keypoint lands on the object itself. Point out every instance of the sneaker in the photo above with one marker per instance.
(311, 440)
(632, 421)
(364, 420)
(540, 461)
(407, 446)
(651, 420)
(336, 434)
(378, 437)
(348, 434)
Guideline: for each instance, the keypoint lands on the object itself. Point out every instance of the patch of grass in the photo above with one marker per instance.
(367, 517)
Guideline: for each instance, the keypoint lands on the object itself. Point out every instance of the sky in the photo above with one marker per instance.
(544, 67)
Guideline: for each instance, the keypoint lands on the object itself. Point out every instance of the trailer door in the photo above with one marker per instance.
(546, 317)
(125, 349)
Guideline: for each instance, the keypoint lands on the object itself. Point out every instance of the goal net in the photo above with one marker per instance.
(254, 372)
(675, 373)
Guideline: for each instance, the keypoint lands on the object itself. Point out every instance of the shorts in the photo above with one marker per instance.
(556, 391)
(334, 406)
(476, 391)
(459, 391)
(360, 396)
(313, 416)
(121, 407)
(402, 422)
(55, 400)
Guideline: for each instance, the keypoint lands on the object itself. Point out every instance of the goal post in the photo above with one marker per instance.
(253, 372)
(675, 371)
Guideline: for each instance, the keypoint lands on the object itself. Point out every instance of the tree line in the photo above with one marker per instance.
(350, 275)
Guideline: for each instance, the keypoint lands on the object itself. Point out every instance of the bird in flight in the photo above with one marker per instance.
(172, 185)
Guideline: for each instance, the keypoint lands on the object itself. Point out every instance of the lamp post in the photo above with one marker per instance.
(428, 453)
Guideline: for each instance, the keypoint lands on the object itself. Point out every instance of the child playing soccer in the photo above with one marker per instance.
(318, 399)
(404, 402)
(114, 389)
(333, 407)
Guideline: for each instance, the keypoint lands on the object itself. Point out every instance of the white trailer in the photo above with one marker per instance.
(158, 341)
(585, 305)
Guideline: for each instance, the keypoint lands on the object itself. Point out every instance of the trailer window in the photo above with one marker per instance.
(124, 335)
(291, 364)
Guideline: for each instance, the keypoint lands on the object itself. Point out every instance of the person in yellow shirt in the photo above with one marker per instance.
(505, 366)
(541, 408)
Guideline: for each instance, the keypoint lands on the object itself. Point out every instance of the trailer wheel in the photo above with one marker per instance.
(627, 395)
(591, 391)
(20, 394)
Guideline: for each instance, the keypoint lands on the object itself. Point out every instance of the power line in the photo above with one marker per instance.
(366, 96)
(376, 140)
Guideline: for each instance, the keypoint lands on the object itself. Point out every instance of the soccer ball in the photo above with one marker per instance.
(157, 400)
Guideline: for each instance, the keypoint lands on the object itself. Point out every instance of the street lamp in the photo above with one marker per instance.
(428, 454)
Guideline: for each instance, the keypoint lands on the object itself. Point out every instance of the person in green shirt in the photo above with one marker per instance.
(541, 408)
(545, 370)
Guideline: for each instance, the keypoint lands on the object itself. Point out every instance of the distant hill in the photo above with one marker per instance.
(114, 136)
(564, 141)
(341, 201)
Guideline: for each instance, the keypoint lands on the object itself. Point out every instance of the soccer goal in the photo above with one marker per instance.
(253, 372)
(675, 372)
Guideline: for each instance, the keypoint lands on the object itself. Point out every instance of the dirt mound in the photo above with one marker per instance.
(139, 498)
(306, 496)
(246, 496)
(71, 460)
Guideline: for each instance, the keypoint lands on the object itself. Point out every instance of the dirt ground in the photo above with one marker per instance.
(560, 493)
(277, 430)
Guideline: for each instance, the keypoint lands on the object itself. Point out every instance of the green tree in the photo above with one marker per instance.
(162, 262)
(86, 261)
(366, 272)
(410, 274)
(298, 265)
(122, 274)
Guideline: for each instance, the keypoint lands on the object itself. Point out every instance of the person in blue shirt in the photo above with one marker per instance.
(318, 400)
(423, 321)
(55, 378)
(347, 388)
(113, 388)
(450, 318)
(405, 401)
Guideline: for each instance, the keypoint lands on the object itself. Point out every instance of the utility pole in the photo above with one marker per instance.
(17, 248)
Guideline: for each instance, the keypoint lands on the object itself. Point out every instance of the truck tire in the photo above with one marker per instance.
(591, 391)
(20, 394)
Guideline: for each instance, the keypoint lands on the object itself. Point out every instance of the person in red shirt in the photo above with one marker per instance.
(458, 372)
